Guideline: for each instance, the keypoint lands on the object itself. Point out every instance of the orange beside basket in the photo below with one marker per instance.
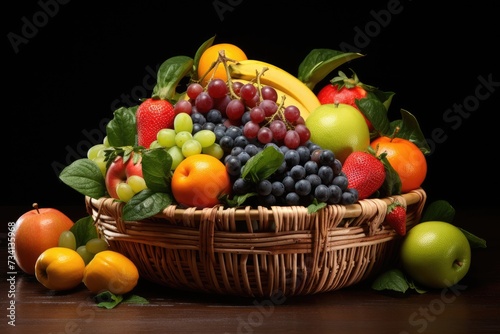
(258, 252)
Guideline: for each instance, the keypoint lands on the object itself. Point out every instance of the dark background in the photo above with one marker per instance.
(66, 78)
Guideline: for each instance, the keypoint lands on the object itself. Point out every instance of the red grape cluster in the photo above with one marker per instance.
(257, 111)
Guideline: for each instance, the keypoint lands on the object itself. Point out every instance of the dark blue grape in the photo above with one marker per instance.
(298, 172)
(350, 196)
(292, 158)
(335, 194)
(264, 187)
(304, 154)
(234, 131)
(198, 118)
(226, 143)
(233, 165)
(314, 179)
(337, 167)
(197, 127)
(284, 148)
(326, 158)
(292, 199)
(214, 116)
(241, 187)
(289, 183)
(341, 181)
(209, 126)
(311, 167)
(326, 174)
(303, 187)
(243, 156)
(252, 149)
(236, 150)
(245, 117)
(241, 141)
(278, 188)
(322, 193)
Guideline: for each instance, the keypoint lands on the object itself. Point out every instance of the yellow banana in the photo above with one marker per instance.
(279, 79)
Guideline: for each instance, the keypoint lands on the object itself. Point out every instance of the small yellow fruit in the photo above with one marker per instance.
(110, 271)
(59, 268)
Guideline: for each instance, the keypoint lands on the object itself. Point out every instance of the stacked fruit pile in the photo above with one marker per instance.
(242, 133)
(247, 133)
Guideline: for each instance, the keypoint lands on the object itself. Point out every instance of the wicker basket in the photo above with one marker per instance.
(258, 252)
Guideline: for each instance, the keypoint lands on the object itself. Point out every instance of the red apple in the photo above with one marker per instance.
(36, 231)
(119, 171)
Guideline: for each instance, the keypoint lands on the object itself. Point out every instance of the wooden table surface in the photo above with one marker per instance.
(472, 306)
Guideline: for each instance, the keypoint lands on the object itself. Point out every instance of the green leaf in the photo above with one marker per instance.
(474, 241)
(321, 62)
(237, 200)
(84, 230)
(410, 129)
(108, 299)
(170, 73)
(393, 279)
(145, 204)
(122, 129)
(156, 169)
(263, 164)
(134, 299)
(208, 43)
(315, 206)
(392, 182)
(375, 111)
(439, 210)
(84, 176)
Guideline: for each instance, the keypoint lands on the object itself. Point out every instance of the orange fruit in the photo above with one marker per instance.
(59, 268)
(36, 231)
(211, 54)
(406, 159)
(110, 271)
(199, 181)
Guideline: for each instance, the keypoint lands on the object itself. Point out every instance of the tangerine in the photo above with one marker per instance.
(211, 54)
(199, 180)
(110, 271)
(406, 158)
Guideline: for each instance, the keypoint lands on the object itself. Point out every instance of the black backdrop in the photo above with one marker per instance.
(69, 64)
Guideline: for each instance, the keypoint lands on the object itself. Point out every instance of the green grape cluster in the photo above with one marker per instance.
(96, 154)
(88, 250)
(180, 142)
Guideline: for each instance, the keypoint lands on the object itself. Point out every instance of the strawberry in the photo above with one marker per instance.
(365, 172)
(152, 115)
(342, 89)
(396, 217)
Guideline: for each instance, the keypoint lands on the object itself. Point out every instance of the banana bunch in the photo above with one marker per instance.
(295, 91)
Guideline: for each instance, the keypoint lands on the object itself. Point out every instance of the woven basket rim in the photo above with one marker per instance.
(351, 210)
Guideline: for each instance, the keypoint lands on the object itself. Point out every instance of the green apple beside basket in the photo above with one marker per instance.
(258, 252)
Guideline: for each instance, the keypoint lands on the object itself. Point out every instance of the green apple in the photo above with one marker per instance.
(340, 128)
(436, 254)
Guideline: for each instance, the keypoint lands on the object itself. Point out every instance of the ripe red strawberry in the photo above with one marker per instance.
(342, 89)
(396, 217)
(365, 173)
(152, 115)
